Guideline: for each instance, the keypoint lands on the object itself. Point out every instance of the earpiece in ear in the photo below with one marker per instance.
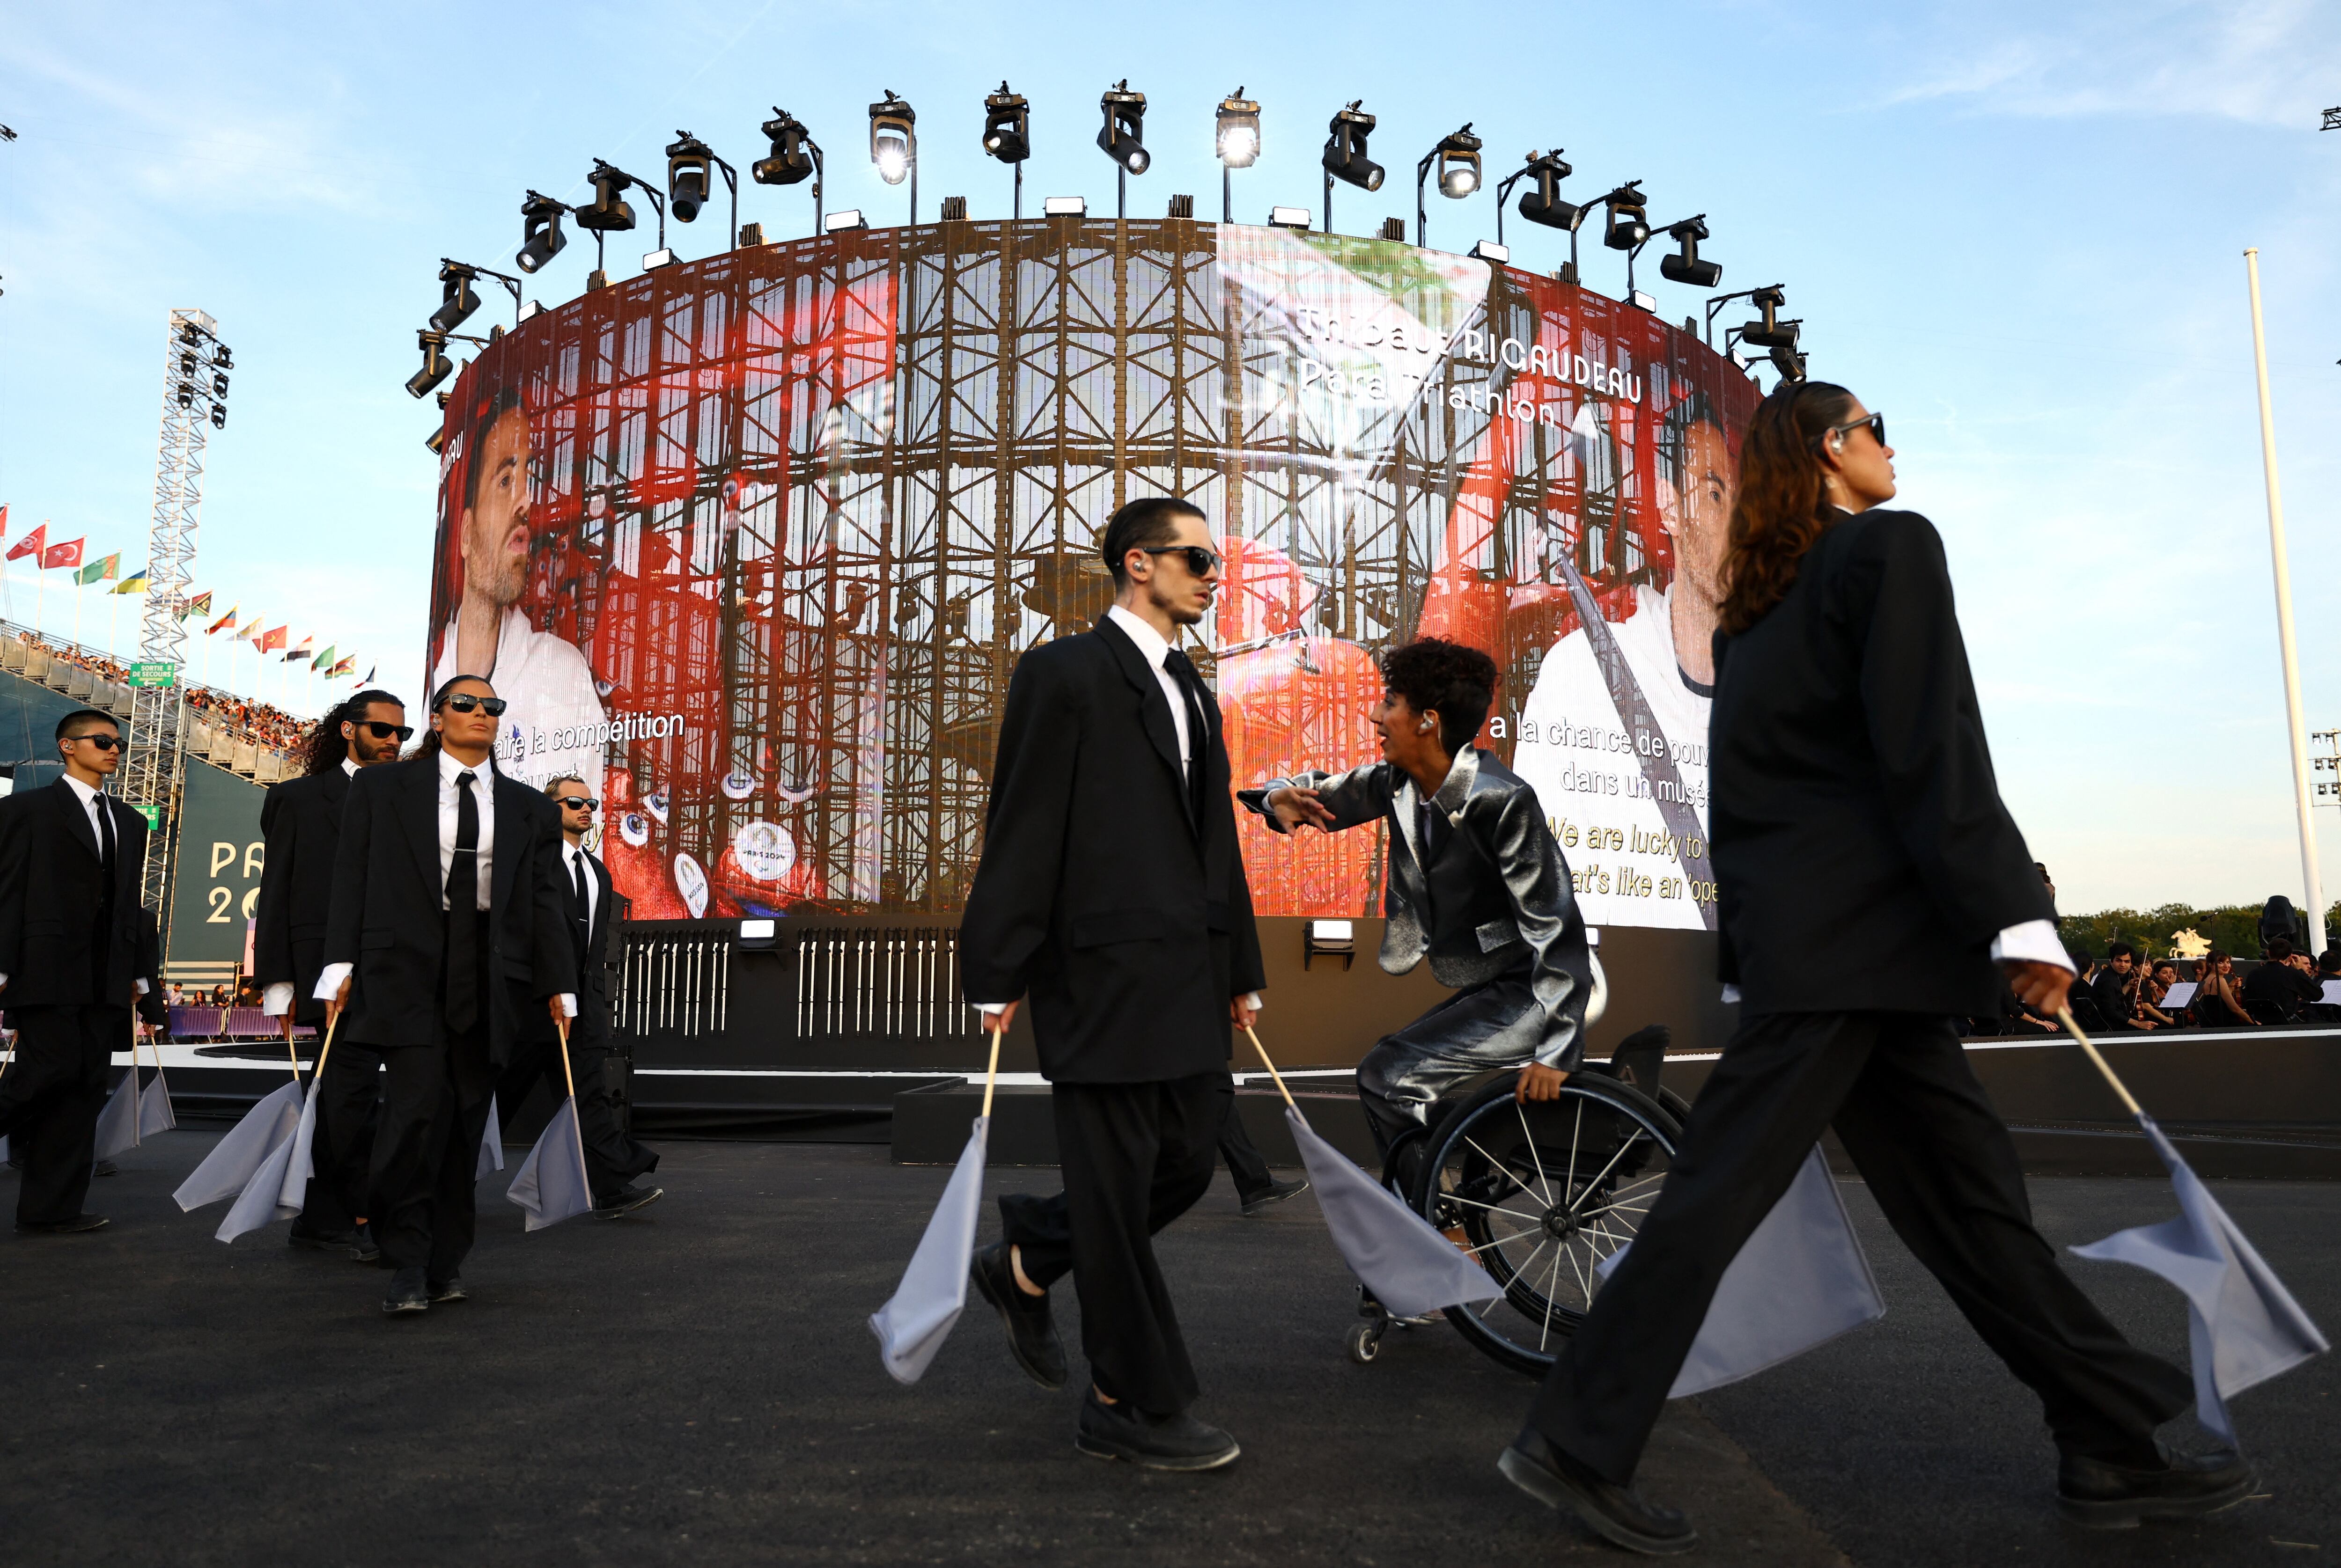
(1423, 728)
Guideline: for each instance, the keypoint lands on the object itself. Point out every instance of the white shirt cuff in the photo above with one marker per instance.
(1254, 1003)
(277, 999)
(2034, 941)
(1731, 996)
(987, 1006)
(568, 1000)
(329, 984)
(142, 986)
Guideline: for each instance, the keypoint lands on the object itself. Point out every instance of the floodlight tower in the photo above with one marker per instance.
(194, 396)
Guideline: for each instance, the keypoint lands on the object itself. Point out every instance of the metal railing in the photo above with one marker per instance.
(55, 662)
(884, 982)
(674, 980)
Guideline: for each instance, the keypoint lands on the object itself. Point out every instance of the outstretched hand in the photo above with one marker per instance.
(1295, 807)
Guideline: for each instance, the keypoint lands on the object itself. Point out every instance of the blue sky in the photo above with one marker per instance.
(2017, 229)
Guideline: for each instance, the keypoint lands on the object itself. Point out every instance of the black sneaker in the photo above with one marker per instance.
(409, 1293)
(627, 1201)
(76, 1226)
(2100, 1495)
(362, 1245)
(446, 1290)
(1031, 1329)
(1180, 1442)
(1269, 1197)
(303, 1237)
(105, 1168)
(1615, 1514)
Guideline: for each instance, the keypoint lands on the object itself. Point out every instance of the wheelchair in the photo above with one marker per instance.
(1540, 1193)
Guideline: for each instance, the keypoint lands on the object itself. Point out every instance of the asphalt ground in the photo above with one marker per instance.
(697, 1384)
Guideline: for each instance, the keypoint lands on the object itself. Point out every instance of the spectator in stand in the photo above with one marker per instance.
(2219, 1004)
(2159, 978)
(2115, 988)
(2280, 989)
(2082, 999)
(2329, 973)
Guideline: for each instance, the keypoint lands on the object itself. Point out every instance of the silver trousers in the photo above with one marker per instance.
(1408, 1073)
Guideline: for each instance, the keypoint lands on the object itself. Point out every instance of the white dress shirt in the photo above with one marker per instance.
(89, 798)
(277, 999)
(1154, 649)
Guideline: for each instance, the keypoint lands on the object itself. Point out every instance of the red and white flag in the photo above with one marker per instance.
(31, 544)
(272, 640)
(66, 554)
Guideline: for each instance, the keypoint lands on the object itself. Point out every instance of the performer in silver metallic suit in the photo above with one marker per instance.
(1476, 883)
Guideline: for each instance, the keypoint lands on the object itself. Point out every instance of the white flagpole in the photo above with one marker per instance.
(2296, 727)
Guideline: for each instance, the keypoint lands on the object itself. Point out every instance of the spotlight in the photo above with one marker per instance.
(609, 214)
(435, 368)
(690, 172)
(219, 384)
(1770, 332)
(893, 141)
(186, 394)
(457, 301)
(1007, 126)
(1543, 204)
(1345, 154)
(1629, 219)
(1786, 361)
(1685, 267)
(1123, 137)
(1238, 141)
(541, 238)
(221, 358)
(219, 413)
(1456, 157)
(793, 153)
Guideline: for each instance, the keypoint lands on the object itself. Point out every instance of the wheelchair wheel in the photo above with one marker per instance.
(1540, 1193)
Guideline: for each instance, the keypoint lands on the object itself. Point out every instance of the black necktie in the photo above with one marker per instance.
(463, 910)
(104, 840)
(584, 907)
(1182, 670)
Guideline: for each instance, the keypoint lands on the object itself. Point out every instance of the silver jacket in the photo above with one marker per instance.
(1496, 897)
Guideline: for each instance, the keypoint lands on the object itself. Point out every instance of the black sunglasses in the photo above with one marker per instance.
(463, 702)
(381, 732)
(1877, 423)
(102, 742)
(1201, 561)
(578, 803)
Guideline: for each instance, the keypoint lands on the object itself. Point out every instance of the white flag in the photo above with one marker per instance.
(1395, 1252)
(262, 1201)
(117, 1124)
(229, 1168)
(154, 1108)
(491, 1145)
(552, 1184)
(1800, 1280)
(917, 1317)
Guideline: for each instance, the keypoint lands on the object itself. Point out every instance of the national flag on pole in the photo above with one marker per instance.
(4, 522)
(199, 605)
(2243, 1328)
(32, 544)
(224, 622)
(103, 570)
(272, 640)
(324, 660)
(133, 583)
(369, 675)
(307, 649)
(63, 555)
(346, 666)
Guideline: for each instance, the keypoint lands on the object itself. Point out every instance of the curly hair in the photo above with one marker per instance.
(1449, 678)
(323, 750)
(1782, 506)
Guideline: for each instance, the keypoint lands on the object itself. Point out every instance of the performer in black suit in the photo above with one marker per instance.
(301, 820)
(594, 910)
(1112, 893)
(1476, 883)
(1872, 885)
(446, 929)
(77, 952)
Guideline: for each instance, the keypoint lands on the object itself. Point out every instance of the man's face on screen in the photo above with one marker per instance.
(495, 528)
(1702, 510)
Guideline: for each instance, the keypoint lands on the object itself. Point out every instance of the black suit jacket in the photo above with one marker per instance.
(1863, 858)
(598, 951)
(301, 820)
(67, 939)
(385, 915)
(1099, 894)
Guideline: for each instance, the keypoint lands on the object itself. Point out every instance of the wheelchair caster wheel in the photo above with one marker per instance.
(1365, 1343)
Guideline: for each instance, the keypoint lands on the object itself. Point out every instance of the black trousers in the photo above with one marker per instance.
(1245, 1162)
(426, 1146)
(612, 1158)
(49, 1100)
(1897, 1089)
(343, 1146)
(1135, 1158)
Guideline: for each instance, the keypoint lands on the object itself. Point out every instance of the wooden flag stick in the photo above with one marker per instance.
(1271, 1068)
(323, 1051)
(138, 1108)
(2065, 1016)
(992, 1073)
(576, 1123)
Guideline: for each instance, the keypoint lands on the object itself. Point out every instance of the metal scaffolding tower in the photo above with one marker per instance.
(194, 395)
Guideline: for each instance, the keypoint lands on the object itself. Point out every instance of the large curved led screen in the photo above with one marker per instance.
(753, 543)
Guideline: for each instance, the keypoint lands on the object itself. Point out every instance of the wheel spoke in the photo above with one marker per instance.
(1550, 1291)
(1614, 1158)
(1528, 1139)
(1584, 1286)
(1514, 1176)
(1615, 1208)
(1533, 1219)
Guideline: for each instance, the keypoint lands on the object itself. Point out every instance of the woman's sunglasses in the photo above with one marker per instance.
(381, 732)
(1877, 423)
(1201, 561)
(463, 702)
